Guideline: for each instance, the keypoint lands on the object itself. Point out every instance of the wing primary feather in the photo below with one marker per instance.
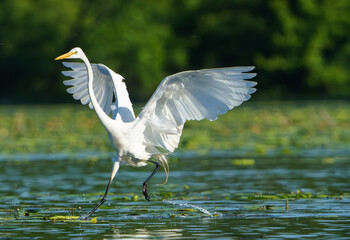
(75, 81)
(73, 74)
(202, 108)
(79, 95)
(76, 88)
(197, 115)
(75, 65)
(177, 117)
(85, 99)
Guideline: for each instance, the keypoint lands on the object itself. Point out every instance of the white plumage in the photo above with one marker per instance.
(190, 95)
(156, 131)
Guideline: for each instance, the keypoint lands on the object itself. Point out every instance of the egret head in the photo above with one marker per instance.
(74, 53)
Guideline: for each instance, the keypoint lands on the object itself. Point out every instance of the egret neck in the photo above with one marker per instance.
(104, 118)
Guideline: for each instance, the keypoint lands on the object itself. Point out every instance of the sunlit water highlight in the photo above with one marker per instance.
(186, 205)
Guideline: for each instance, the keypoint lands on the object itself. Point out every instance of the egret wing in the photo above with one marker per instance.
(192, 95)
(106, 83)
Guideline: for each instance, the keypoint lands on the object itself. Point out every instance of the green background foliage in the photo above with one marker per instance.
(300, 48)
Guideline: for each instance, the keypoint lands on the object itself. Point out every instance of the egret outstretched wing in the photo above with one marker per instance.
(106, 83)
(192, 95)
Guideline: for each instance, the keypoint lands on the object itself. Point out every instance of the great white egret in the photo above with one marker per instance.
(156, 131)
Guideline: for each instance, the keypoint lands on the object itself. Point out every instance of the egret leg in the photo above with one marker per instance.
(115, 169)
(150, 176)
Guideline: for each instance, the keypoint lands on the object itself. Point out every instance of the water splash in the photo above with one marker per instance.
(186, 205)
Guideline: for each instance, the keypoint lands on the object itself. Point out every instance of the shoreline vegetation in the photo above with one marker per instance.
(258, 127)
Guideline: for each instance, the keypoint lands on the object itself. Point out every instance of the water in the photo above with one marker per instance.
(208, 197)
(191, 206)
(230, 178)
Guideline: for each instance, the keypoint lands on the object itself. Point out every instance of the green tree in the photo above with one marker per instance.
(29, 36)
(300, 47)
(310, 47)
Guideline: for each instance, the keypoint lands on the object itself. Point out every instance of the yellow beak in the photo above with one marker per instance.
(63, 56)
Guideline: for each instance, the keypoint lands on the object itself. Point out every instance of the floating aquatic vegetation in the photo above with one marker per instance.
(294, 195)
(64, 218)
(243, 162)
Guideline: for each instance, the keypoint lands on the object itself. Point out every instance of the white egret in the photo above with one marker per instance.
(156, 131)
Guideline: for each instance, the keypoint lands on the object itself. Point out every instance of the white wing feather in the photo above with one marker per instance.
(191, 95)
(105, 81)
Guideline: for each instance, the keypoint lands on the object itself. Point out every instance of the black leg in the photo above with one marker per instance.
(150, 176)
(101, 202)
(114, 171)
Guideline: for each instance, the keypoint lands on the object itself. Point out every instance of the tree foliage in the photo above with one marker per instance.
(300, 47)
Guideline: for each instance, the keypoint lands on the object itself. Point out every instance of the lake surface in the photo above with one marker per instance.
(204, 198)
(235, 192)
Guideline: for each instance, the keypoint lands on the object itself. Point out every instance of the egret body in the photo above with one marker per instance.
(156, 131)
